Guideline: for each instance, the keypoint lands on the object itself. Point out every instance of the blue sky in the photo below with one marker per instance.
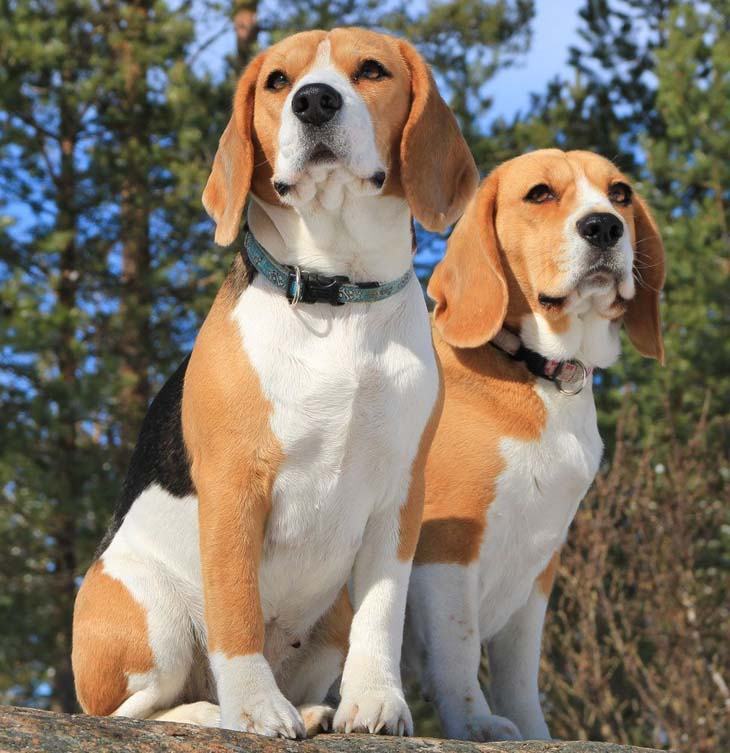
(554, 31)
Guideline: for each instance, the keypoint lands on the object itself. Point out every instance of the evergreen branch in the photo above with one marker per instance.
(212, 39)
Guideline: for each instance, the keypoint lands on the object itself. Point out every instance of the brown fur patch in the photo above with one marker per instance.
(109, 642)
(642, 320)
(546, 579)
(411, 513)
(234, 164)
(469, 285)
(235, 459)
(486, 397)
(438, 182)
(333, 629)
(239, 277)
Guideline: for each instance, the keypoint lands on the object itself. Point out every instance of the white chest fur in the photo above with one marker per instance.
(537, 496)
(351, 390)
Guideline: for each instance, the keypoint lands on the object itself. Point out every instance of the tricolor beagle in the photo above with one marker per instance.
(553, 254)
(286, 455)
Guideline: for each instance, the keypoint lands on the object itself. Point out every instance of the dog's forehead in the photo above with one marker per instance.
(349, 44)
(295, 53)
(593, 168)
(338, 48)
(559, 169)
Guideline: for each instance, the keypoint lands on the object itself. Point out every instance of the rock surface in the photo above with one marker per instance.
(33, 731)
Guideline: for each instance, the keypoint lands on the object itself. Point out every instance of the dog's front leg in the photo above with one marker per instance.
(371, 690)
(444, 607)
(514, 662)
(232, 524)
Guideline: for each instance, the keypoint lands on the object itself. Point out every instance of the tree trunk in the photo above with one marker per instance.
(68, 483)
(135, 207)
(30, 731)
(246, 28)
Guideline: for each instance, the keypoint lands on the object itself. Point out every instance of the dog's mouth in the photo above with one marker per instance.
(327, 162)
(551, 302)
(601, 280)
(600, 276)
(321, 154)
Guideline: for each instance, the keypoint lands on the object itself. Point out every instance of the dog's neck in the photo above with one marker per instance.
(590, 337)
(367, 238)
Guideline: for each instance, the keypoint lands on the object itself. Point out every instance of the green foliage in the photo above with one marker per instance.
(680, 152)
(106, 138)
(688, 179)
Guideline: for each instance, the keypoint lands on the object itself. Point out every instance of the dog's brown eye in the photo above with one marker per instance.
(539, 194)
(620, 193)
(277, 81)
(371, 70)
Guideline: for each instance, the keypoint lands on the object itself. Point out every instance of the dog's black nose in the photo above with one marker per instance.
(316, 104)
(600, 229)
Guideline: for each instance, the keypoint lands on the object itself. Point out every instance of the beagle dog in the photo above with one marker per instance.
(285, 457)
(553, 254)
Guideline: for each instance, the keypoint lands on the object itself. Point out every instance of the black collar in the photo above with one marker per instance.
(570, 376)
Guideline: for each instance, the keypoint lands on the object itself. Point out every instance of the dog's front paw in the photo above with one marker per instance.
(492, 729)
(267, 714)
(317, 718)
(378, 711)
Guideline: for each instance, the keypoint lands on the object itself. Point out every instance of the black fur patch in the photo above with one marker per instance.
(160, 456)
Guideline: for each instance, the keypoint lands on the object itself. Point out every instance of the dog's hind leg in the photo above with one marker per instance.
(202, 713)
(133, 640)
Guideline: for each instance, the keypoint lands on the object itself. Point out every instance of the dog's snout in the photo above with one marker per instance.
(316, 104)
(600, 229)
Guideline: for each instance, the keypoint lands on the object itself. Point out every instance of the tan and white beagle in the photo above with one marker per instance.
(285, 457)
(552, 255)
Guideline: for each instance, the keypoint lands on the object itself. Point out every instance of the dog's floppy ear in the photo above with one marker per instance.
(469, 285)
(642, 319)
(438, 173)
(230, 179)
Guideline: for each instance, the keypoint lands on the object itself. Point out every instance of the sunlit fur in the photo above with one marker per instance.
(306, 427)
(513, 456)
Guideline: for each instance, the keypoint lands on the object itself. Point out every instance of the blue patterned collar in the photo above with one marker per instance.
(310, 287)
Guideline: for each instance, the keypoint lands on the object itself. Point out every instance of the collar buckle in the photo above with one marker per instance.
(572, 377)
(310, 287)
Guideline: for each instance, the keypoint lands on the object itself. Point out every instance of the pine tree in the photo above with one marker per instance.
(106, 140)
(609, 100)
(688, 180)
